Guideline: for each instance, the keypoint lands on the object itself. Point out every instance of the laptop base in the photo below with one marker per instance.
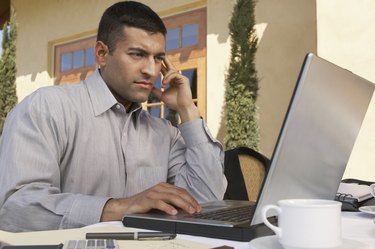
(245, 233)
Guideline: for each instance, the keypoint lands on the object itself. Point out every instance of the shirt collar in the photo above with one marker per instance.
(100, 96)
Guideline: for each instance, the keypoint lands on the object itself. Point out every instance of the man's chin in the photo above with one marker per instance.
(140, 99)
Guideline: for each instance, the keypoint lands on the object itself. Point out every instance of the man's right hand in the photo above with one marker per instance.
(163, 196)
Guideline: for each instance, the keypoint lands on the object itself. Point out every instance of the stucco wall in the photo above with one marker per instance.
(287, 33)
(218, 56)
(36, 29)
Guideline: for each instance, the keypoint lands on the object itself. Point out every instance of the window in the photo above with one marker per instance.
(186, 48)
(158, 109)
(189, 35)
(183, 36)
(74, 61)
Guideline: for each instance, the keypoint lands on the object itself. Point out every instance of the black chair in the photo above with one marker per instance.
(245, 170)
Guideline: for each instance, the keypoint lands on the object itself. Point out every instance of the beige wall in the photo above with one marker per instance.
(346, 35)
(36, 28)
(289, 33)
(218, 55)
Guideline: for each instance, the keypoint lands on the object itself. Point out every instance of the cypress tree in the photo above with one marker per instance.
(8, 93)
(241, 87)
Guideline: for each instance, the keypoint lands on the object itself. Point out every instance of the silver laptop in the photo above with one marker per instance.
(322, 122)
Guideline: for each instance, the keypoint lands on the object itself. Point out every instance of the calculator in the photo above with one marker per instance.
(91, 244)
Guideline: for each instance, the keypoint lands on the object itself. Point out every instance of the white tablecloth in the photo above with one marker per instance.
(359, 226)
(355, 225)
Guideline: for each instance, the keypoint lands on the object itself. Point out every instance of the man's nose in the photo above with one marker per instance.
(149, 67)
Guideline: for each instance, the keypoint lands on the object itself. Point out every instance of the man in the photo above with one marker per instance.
(79, 154)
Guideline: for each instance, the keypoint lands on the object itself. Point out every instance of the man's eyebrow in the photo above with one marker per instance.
(141, 50)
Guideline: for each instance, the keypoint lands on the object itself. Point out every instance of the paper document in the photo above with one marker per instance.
(355, 190)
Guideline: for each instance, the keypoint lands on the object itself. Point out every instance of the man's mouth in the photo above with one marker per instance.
(144, 84)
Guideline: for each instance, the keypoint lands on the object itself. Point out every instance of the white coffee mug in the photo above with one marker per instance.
(372, 189)
(306, 223)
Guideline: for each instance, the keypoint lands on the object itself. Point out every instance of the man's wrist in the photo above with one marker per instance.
(110, 211)
(189, 113)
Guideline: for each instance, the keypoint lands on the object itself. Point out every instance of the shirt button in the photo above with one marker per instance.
(118, 106)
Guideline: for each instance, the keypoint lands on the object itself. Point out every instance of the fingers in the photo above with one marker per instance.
(173, 78)
(172, 197)
(170, 73)
(175, 92)
(167, 198)
(167, 64)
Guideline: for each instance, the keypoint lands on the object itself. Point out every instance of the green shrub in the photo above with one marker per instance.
(8, 70)
(241, 87)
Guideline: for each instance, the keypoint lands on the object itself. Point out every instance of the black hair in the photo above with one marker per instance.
(127, 13)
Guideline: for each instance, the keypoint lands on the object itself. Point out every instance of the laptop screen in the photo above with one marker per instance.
(323, 120)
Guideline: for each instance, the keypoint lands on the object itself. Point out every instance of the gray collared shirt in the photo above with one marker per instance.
(66, 150)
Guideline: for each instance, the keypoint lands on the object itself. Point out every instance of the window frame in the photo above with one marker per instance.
(73, 75)
(189, 57)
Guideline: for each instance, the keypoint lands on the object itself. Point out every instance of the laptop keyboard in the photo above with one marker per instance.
(91, 244)
(237, 214)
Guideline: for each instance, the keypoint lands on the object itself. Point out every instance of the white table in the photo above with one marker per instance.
(359, 226)
(355, 226)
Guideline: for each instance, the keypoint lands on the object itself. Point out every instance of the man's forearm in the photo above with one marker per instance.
(189, 113)
(204, 174)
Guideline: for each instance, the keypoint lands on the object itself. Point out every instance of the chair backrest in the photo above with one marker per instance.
(245, 170)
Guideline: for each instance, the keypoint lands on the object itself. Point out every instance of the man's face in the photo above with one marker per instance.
(131, 69)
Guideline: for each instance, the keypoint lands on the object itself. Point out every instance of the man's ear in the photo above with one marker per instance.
(101, 51)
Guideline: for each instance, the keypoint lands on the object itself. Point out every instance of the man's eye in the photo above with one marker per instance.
(159, 58)
(136, 55)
